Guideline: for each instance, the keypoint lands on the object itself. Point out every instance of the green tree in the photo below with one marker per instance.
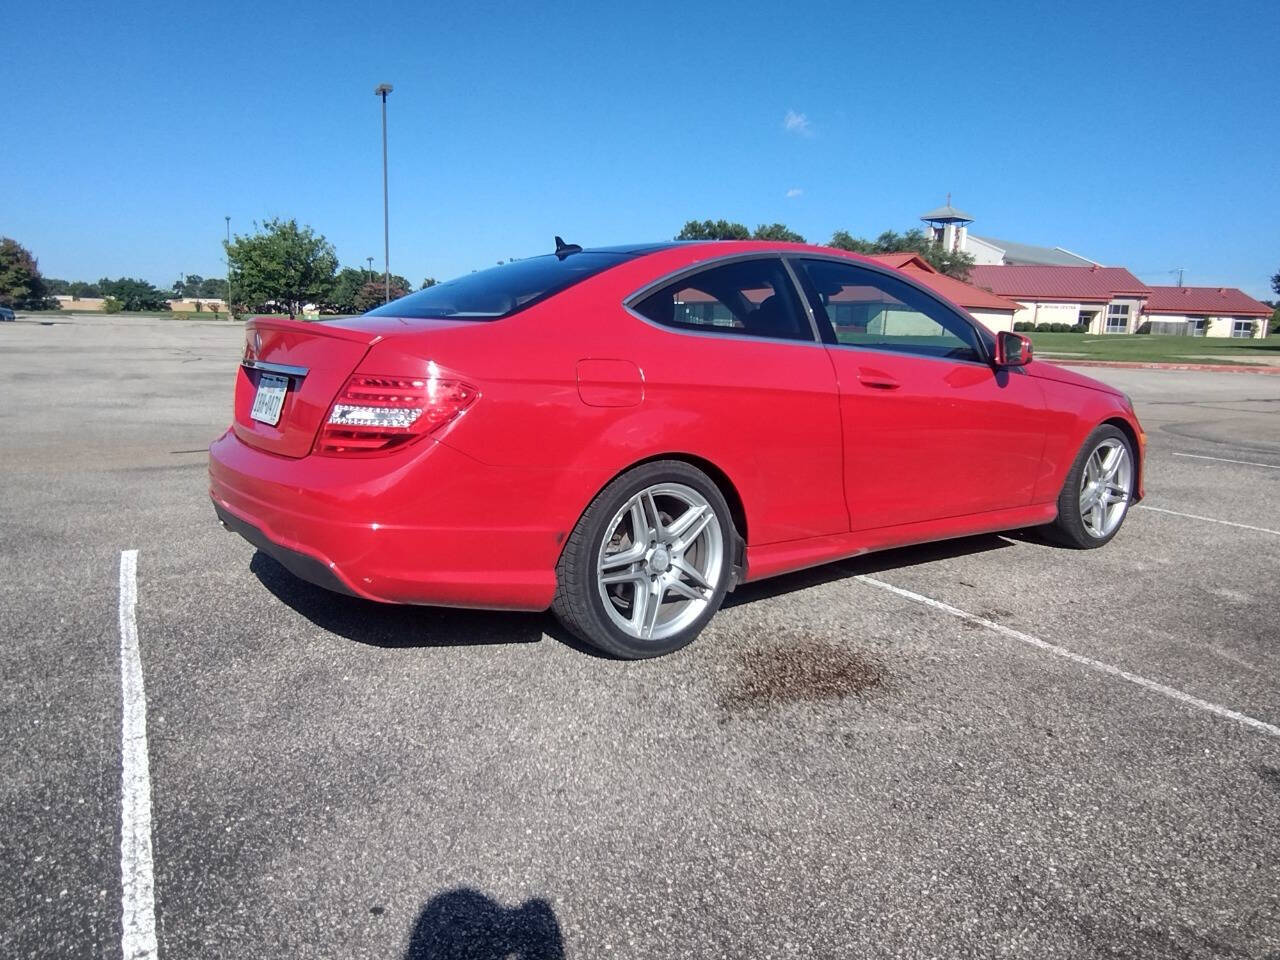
(776, 231)
(212, 288)
(429, 282)
(21, 286)
(732, 230)
(713, 230)
(188, 286)
(348, 290)
(283, 266)
(951, 262)
(373, 294)
(346, 287)
(133, 294)
(79, 289)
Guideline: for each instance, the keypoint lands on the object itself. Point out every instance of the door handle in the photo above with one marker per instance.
(877, 379)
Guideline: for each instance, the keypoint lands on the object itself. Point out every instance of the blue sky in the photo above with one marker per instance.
(1138, 136)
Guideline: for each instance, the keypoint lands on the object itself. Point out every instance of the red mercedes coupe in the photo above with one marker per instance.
(623, 434)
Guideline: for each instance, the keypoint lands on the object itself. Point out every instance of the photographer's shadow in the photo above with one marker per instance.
(464, 924)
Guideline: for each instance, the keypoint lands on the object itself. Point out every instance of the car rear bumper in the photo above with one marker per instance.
(428, 525)
(302, 565)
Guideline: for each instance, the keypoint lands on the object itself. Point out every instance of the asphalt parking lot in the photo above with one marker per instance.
(833, 769)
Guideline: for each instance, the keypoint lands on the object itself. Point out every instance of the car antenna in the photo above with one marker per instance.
(564, 249)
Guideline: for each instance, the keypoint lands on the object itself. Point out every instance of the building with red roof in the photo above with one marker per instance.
(1206, 312)
(992, 311)
(1101, 299)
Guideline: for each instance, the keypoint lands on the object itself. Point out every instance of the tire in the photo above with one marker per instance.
(1093, 503)
(687, 559)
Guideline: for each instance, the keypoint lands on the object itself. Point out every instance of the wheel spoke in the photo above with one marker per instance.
(1092, 467)
(682, 523)
(624, 576)
(686, 590)
(682, 543)
(1112, 462)
(654, 604)
(1088, 496)
(640, 531)
(690, 571)
(651, 510)
(1094, 521)
(622, 558)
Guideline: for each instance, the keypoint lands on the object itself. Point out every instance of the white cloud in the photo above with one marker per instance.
(794, 192)
(797, 123)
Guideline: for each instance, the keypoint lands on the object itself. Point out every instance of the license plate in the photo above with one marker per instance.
(269, 400)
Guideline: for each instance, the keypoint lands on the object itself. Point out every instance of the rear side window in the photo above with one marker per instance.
(750, 297)
(500, 291)
(869, 309)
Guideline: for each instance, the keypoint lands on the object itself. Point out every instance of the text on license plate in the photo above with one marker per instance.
(269, 400)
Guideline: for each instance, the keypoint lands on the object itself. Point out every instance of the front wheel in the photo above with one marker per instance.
(649, 562)
(1098, 490)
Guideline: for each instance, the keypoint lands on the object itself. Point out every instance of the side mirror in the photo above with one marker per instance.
(1012, 349)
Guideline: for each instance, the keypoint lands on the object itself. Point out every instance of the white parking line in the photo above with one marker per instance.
(1098, 665)
(1196, 516)
(137, 881)
(1247, 463)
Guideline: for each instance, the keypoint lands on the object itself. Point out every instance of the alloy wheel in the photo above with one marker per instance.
(660, 561)
(1105, 486)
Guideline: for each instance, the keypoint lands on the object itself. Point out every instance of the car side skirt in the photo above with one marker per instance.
(773, 559)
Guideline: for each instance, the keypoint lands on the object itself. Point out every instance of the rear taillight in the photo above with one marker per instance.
(374, 414)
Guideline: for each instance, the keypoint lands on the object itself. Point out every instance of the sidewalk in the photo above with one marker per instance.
(1263, 367)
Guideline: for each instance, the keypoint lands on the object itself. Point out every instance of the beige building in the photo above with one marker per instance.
(1103, 299)
(183, 305)
(81, 304)
(1205, 312)
(193, 304)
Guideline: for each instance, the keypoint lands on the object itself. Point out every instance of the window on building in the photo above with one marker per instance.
(751, 297)
(1118, 318)
(869, 309)
(1242, 328)
(1196, 326)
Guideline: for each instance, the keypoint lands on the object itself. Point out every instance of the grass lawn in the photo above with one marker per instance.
(1148, 348)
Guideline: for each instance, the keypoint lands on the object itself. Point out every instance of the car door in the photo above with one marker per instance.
(931, 428)
(741, 369)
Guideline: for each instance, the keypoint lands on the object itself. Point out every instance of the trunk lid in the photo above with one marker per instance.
(316, 358)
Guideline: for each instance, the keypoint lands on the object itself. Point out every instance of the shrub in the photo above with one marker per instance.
(112, 305)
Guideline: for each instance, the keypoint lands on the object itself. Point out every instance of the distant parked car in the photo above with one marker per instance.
(7, 314)
(624, 434)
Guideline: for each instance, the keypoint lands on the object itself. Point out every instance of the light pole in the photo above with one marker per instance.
(370, 259)
(382, 90)
(228, 253)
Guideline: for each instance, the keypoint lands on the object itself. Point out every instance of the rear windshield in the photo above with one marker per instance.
(500, 291)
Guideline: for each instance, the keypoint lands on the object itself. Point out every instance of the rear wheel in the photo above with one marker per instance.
(1099, 487)
(648, 563)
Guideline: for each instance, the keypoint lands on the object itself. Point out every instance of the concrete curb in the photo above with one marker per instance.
(1194, 367)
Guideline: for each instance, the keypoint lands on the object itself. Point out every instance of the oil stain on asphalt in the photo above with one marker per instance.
(802, 672)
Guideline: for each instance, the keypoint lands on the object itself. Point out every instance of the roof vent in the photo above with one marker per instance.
(1094, 268)
(1222, 289)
